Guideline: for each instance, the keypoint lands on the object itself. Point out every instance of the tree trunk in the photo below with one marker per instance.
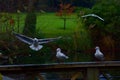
(64, 23)
(30, 21)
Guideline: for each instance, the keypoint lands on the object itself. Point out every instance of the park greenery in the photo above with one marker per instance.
(79, 36)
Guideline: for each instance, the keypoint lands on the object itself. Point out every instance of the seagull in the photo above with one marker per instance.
(60, 55)
(93, 15)
(35, 44)
(98, 54)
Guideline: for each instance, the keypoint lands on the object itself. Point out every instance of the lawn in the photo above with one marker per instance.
(49, 24)
(52, 24)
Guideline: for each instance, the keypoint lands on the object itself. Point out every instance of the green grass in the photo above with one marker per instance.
(53, 25)
(49, 24)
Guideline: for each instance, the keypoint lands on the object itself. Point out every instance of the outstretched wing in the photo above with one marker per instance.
(94, 15)
(23, 38)
(42, 41)
(86, 15)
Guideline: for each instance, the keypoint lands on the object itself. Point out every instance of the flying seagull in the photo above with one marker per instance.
(93, 15)
(60, 55)
(98, 54)
(35, 44)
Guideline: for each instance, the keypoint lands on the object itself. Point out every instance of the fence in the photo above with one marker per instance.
(89, 70)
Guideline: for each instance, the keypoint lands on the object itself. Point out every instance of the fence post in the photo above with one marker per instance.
(92, 73)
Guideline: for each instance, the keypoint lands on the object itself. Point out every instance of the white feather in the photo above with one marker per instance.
(93, 15)
(36, 48)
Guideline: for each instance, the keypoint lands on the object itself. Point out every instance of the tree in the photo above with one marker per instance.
(30, 21)
(64, 11)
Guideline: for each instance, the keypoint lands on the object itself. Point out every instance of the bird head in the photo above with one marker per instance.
(35, 40)
(97, 47)
(58, 49)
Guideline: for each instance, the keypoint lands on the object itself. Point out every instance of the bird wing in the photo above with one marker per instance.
(41, 41)
(99, 55)
(94, 15)
(60, 55)
(98, 17)
(24, 38)
(86, 15)
(64, 56)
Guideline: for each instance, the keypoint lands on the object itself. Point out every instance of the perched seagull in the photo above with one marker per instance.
(60, 55)
(93, 15)
(98, 54)
(35, 44)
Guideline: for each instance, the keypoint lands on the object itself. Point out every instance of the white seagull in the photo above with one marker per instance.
(35, 44)
(98, 54)
(93, 15)
(60, 55)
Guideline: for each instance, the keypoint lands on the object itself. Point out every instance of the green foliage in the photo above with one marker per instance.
(5, 22)
(109, 10)
(82, 37)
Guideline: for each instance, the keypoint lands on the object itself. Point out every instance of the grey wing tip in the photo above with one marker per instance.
(102, 19)
(59, 37)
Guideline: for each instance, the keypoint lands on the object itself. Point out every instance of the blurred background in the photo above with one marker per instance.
(53, 18)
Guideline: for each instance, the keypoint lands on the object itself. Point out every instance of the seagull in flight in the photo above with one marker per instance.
(60, 55)
(35, 44)
(98, 54)
(93, 15)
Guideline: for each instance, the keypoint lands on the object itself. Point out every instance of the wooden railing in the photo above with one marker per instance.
(90, 69)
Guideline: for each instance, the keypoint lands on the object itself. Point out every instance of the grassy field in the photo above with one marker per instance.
(53, 25)
(49, 24)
